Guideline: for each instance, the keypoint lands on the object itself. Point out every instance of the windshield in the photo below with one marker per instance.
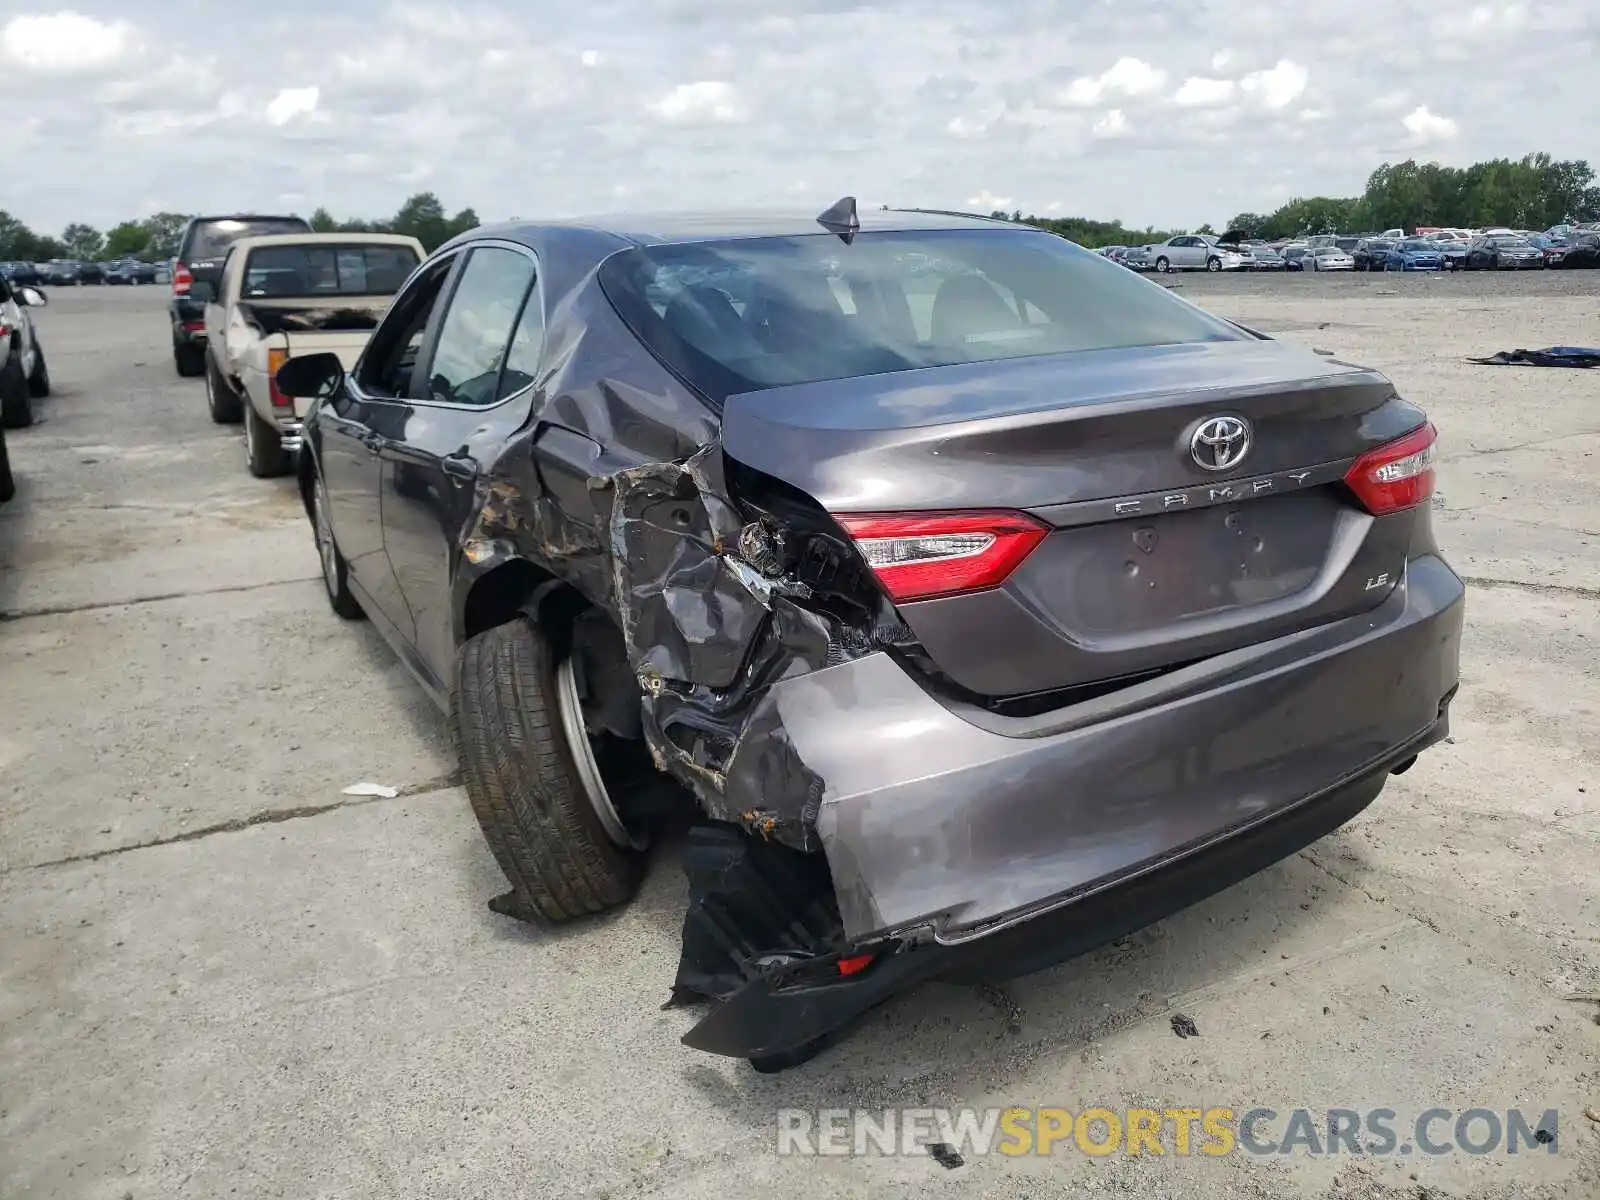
(1328, 252)
(211, 239)
(1421, 244)
(1514, 243)
(303, 272)
(758, 313)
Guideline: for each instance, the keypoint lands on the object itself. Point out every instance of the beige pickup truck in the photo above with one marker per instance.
(284, 296)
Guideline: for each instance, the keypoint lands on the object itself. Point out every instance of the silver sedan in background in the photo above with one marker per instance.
(1328, 258)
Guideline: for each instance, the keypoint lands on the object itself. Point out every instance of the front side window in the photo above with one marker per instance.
(743, 315)
(475, 334)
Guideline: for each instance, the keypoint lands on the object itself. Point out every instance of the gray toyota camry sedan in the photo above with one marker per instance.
(962, 599)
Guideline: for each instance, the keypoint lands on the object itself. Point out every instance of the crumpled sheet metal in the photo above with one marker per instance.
(642, 524)
(708, 634)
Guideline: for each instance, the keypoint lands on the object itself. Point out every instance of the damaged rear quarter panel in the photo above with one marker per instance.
(615, 483)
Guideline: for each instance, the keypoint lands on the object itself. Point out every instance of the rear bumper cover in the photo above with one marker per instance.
(950, 830)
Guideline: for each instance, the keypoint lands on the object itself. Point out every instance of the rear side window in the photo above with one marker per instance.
(477, 328)
(738, 316)
(211, 238)
(304, 272)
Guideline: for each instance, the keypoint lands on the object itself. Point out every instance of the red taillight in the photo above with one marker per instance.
(1395, 476)
(193, 326)
(923, 555)
(276, 359)
(182, 280)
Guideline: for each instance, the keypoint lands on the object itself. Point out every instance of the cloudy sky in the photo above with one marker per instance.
(1159, 111)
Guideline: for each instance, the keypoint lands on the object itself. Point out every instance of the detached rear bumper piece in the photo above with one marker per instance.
(965, 844)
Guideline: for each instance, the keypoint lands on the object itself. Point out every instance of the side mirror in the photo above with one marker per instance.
(32, 297)
(316, 376)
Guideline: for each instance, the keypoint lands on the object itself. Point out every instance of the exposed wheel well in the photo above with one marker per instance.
(502, 593)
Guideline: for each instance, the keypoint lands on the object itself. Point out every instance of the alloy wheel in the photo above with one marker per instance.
(326, 550)
(570, 706)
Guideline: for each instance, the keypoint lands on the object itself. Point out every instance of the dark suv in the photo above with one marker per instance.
(197, 269)
(977, 599)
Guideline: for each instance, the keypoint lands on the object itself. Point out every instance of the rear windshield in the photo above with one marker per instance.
(211, 239)
(739, 316)
(290, 272)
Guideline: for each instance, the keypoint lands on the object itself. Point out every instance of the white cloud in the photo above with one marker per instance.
(702, 103)
(1279, 85)
(1113, 124)
(1425, 126)
(1201, 93)
(902, 99)
(65, 42)
(290, 103)
(986, 202)
(1128, 76)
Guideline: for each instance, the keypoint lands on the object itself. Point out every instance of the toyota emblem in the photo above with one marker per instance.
(1220, 443)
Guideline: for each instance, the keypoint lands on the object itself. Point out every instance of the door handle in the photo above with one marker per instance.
(459, 466)
(373, 441)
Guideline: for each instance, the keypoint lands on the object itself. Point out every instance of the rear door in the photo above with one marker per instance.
(471, 392)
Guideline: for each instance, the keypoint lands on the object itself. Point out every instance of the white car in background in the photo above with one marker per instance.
(1194, 252)
(24, 377)
(1328, 258)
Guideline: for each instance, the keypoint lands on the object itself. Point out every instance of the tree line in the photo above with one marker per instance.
(1533, 192)
(155, 238)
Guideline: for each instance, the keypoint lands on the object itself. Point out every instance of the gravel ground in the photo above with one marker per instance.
(220, 976)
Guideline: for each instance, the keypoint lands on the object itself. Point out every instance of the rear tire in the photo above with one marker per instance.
(222, 401)
(39, 380)
(16, 401)
(263, 446)
(524, 784)
(1162, 266)
(189, 359)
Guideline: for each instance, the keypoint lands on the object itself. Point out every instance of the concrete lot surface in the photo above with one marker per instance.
(219, 976)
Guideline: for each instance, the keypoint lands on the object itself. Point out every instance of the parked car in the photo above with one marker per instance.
(194, 273)
(1295, 256)
(282, 297)
(1503, 252)
(1553, 249)
(872, 590)
(130, 272)
(22, 274)
(1369, 253)
(1136, 258)
(1411, 254)
(91, 272)
(1328, 258)
(1267, 259)
(1193, 252)
(24, 374)
(1452, 253)
(1583, 250)
(62, 272)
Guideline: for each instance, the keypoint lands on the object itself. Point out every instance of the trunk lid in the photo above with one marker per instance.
(1150, 559)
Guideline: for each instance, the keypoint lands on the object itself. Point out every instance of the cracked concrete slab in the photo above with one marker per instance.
(296, 993)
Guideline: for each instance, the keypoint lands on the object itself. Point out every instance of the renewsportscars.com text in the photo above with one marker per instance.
(1212, 1131)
